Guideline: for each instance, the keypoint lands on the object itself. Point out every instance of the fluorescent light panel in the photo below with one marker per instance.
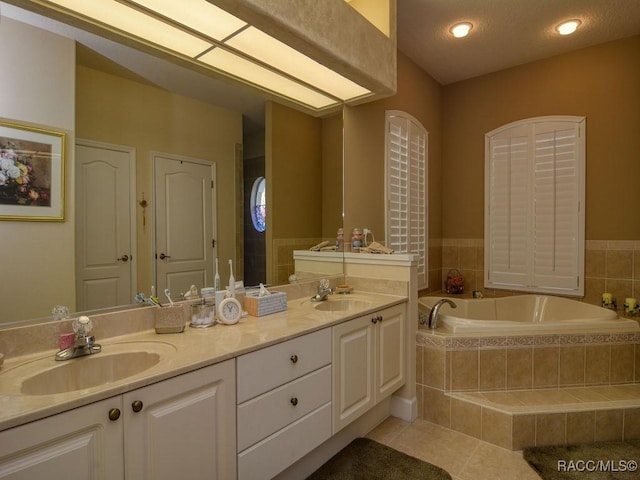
(239, 67)
(211, 22)
(258, 44)
(136, 23)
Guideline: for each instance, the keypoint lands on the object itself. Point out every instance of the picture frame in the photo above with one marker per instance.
(32, 173)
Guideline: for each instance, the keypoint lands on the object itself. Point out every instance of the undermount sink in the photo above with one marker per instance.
(341, 305)
(116, 362)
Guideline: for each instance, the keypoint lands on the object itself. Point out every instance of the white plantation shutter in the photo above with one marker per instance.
(406, 181)
(533, 197)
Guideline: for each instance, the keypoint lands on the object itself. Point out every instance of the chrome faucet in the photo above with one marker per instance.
(83, 344)
(433, 314)
(323, 291)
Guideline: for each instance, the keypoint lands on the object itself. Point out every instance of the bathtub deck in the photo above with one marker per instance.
(516, 419)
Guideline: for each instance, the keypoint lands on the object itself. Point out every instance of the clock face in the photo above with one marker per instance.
(229, 311)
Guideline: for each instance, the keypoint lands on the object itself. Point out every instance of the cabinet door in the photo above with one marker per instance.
(390, 348)
(183, 427)
(353, 370)
(77, 445)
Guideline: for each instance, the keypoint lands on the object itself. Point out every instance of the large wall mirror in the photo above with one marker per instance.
(165, 120)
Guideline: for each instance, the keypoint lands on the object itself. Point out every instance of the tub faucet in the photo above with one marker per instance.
(84, 344)
(323, 291)
(433, 314)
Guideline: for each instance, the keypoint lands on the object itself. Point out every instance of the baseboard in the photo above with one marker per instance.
(404, 408)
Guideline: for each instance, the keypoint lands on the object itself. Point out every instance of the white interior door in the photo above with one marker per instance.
(105, 225)
(184, 222)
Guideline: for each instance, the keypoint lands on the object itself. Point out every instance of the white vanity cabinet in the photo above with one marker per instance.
(80, 444)
(368, 362)
(284, 404)
(183, 427)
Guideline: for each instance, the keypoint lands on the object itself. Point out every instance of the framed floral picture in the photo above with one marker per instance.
(32, 173)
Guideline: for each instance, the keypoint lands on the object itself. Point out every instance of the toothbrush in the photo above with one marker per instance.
(232, 281)
(216, 279)
(167, 293)
(153, 299)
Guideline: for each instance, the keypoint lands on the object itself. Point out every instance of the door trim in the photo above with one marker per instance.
(133, 224)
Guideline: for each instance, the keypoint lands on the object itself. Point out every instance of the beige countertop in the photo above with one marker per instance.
(182, 352)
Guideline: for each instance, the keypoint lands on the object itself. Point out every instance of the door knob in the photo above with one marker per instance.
(163, 256)
(123, 258)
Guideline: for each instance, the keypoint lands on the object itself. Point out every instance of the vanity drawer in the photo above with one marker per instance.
(275, 453)
(261, 416)
(268, 368)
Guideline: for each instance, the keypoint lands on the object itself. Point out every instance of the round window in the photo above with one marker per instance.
(258, 204)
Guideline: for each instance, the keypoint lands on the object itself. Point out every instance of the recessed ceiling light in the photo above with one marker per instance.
(460, 30)
(567, 28)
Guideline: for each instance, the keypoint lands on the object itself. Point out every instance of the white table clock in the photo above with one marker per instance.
(229, 311)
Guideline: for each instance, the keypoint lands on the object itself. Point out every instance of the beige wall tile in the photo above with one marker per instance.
(419, 355)
(597, 364)
(468, 258)
(608, 425)
(450, 257)
(631, 424)
(464, 370)
(545, 366)
(466, 417)
(551, 428)
(571, 365)
(496, 428)
(593, 290)
(581, 427)
(433, 367)
(524, 431)
(493, 369)
(594, 263)
(619, 264)
(519, 367)
(436, 406)
(620, 288)
(622, 360)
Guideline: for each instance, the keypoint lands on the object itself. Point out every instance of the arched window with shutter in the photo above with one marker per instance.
(534, 205)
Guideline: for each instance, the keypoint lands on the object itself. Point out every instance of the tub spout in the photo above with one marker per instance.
(433, 314)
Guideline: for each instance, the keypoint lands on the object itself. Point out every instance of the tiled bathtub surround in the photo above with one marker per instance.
(514, 390)
(610, 266)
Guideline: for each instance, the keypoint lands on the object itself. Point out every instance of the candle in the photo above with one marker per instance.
(630, 305)
(607, 298)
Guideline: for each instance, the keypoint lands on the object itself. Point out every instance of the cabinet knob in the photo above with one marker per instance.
(379, 318)
(136, 406)
(294, 358)
(374, 320)
(294, 401)
(114, 414)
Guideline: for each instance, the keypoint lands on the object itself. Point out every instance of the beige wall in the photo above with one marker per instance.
(36, 258)
(116, 110)
(419, 95)
(601, 83)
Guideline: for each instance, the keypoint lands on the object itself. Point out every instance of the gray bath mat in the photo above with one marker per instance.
(590, 461)
(365, 459)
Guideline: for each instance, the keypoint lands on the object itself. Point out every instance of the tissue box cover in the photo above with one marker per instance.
(259, 306)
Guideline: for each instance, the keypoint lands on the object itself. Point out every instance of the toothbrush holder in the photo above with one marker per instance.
(170, 319)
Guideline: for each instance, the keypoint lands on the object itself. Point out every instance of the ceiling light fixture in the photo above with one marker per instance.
(460, 30)
(567, 28)
(213, 38)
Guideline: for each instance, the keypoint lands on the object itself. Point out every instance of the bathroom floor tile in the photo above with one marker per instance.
(464, 457)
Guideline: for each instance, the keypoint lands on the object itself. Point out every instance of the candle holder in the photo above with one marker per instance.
(631, 307)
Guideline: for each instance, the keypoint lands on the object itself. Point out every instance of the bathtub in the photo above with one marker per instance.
(524, 314)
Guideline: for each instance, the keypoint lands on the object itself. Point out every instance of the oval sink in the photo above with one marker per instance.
(341, 305)
(116, 362)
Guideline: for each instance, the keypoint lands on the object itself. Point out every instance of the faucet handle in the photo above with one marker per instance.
(82, 325)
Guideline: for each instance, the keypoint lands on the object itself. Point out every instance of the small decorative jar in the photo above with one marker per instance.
(455, 282)
(356, 240)
(340, 240)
